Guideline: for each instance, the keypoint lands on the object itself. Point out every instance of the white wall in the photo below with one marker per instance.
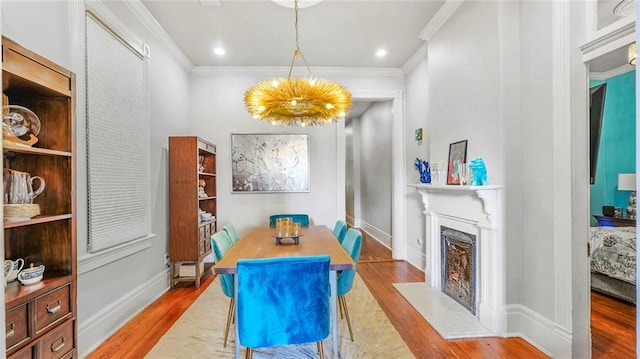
(217, 110)
(537, 151)
(417, 106)
(41, 26)
(350, 134)
(376, 127)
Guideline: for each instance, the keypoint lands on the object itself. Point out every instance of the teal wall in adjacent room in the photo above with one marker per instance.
(617, 152)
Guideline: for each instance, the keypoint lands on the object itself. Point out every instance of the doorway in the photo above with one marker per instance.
(398, 182)
(612, 312)
(368, 160)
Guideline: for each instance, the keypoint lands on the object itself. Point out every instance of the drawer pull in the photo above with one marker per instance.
(55, 308)
(58, 347)
(10, 330)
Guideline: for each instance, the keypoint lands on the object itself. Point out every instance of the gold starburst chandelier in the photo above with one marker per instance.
(298, 101)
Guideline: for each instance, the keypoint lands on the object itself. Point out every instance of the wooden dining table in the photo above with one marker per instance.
(260, 242)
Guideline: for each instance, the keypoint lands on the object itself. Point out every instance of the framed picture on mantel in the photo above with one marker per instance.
(457, 156)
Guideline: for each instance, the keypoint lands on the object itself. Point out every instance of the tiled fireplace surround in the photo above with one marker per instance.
(476, 210)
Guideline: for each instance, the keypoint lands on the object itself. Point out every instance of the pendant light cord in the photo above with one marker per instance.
(297, 51)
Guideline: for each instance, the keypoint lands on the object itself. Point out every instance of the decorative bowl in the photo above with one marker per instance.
(20, 121)
(31, 275)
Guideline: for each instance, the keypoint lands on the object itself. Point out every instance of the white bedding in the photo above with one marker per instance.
(613, 252)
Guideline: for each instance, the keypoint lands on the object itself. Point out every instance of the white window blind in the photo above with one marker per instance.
(117, 140)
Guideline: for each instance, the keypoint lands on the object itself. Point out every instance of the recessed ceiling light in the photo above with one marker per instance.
(218, 51)
(381, 53)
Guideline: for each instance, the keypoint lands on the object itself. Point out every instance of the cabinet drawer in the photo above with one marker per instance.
(26, 353)
(17, 325)
(51, 307)
(58, 342)
(201, 248)
(205, 246)
(207, 231)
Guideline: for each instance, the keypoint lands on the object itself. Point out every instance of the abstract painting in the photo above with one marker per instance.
(269, 163)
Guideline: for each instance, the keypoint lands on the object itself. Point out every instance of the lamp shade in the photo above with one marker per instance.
(626, 182)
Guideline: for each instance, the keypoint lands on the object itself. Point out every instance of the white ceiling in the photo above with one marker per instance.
(333, 33)
(610, 61)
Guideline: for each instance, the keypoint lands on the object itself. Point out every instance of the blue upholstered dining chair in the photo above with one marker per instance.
(352, 244)
(303, 219)
(339, 230)
(231, 231)
(221, 243)
(276, 308)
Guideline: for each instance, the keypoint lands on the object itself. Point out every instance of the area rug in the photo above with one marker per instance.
(199, 332)
(450, 319)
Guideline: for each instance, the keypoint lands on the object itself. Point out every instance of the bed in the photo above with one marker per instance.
(613, 261)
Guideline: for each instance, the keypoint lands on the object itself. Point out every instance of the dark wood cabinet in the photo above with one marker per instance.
(607, 221)
(46, 311)
(192, 191)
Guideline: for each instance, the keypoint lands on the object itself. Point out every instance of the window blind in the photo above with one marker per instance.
(117, 140)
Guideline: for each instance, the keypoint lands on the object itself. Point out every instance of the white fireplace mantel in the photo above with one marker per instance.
(489, 195)
(476, 210)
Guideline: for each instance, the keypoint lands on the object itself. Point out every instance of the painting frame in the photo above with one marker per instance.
(270, 163)
(457, 156)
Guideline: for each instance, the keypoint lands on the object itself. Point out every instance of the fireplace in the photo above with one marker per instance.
(476, 212)
(459, 266)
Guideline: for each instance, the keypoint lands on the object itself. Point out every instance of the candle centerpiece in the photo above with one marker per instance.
(287, 228)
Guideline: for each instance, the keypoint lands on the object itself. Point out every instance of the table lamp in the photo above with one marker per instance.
(627, 182)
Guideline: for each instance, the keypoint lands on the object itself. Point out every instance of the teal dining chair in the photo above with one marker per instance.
(303, 219)
(221, 243)
(276, 308)
(352, 244)
(231, 231)
(339, 230)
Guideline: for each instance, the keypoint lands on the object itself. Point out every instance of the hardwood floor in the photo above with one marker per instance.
(613, 322)
(613, 327)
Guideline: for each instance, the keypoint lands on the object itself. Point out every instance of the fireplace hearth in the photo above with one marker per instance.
(459, 266)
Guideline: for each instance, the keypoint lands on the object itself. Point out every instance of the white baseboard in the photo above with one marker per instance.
(539, 331)
(376, 233)
(99, 327)
(351, 221)
(416, 258)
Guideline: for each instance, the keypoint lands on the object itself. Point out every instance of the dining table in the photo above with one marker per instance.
(260, 242)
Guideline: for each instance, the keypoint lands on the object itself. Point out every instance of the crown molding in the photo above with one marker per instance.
(284, 70)
(154, 27)
(611, 73)
(415, 59)
(440, 18)
(609, 38)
